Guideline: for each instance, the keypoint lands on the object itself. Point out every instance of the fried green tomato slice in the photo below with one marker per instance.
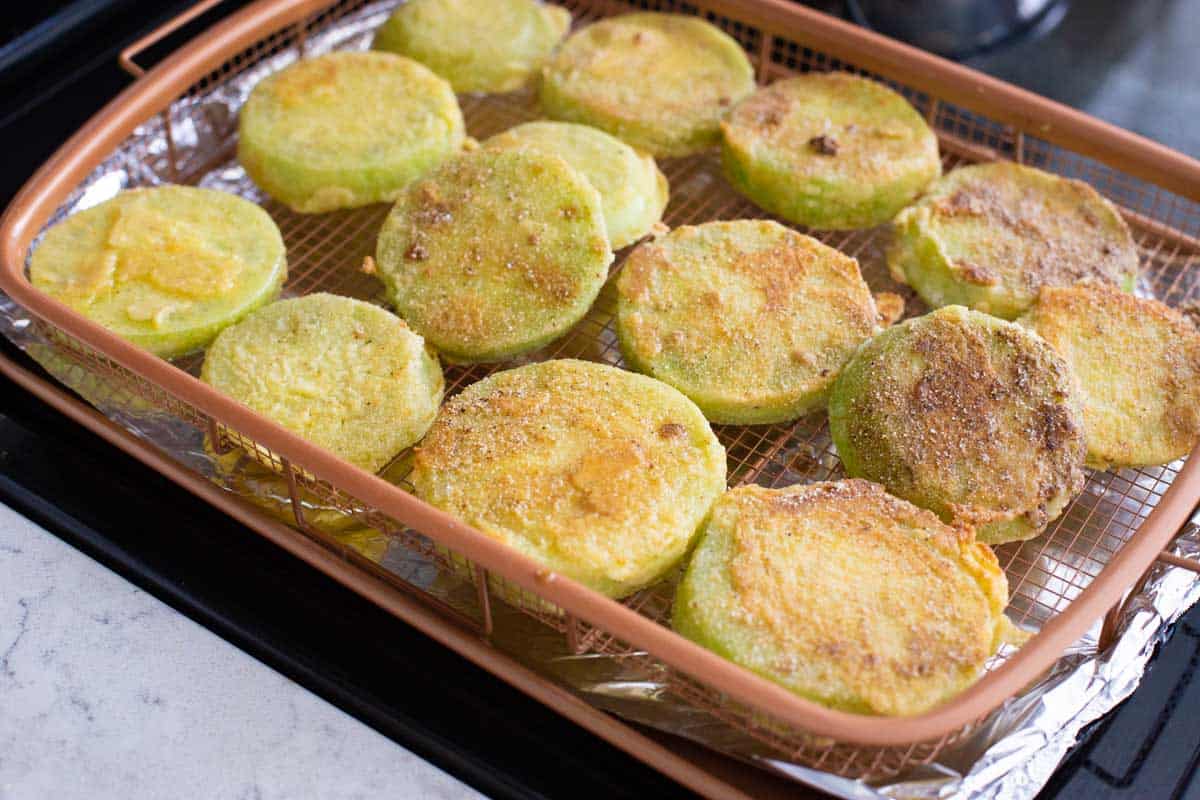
(749, 319)
(829, 150)
(989, 236)
(661, 82)
(495, 254)
(346, 375)
(1138, 363)
(969, 416)
(346, 129)
(633, 191)
(602, 475)
(845, 595)
(488, 46)
(165, 268)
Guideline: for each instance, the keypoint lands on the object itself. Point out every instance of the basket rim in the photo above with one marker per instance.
(153, 93)
(692, 773)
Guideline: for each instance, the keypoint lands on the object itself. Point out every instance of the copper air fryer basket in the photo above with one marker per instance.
(1061, 583)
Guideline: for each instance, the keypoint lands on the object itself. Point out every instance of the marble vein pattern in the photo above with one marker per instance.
(105, 692)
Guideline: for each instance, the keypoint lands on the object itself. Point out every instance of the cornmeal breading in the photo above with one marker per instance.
(477, 45)
(989, 236)
(972, 417)
(1138, 363)
(347, 129)
(661, 82)
(495, 254)
(829, 150)
(845, 595)
(166, 268)
(346, 375)
(749, 319)
(602, 475)
(633, 191)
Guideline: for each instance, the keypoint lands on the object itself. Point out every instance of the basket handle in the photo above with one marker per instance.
(127, 56)
(1178, 561)
(1108, 630)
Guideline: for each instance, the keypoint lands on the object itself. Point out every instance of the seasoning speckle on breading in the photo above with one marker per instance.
(824, 144)
(656, 81)
(346, 129)
(989, 236)
(481, 260)
(890, 307)
(967, 415)
(749, 319)
(829, 150)
(1138, 363)
(477, 45)
(346, 375)
(602, 475)
(845, 595)
(670, 430)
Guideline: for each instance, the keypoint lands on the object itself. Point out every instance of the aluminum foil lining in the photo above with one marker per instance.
(1010, 755)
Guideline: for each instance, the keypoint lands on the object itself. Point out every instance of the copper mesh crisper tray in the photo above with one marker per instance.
(1061, 583)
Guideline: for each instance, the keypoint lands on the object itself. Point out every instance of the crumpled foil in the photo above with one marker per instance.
(1009, 755)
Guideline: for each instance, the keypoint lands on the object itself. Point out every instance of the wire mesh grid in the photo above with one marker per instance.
(811, 750)
(326, 253)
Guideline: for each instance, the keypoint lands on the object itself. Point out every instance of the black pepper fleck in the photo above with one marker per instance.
(824, 145)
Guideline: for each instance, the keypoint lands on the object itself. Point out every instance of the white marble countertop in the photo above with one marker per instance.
(105, 692)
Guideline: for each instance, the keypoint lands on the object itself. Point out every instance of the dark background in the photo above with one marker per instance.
(1132, 63)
